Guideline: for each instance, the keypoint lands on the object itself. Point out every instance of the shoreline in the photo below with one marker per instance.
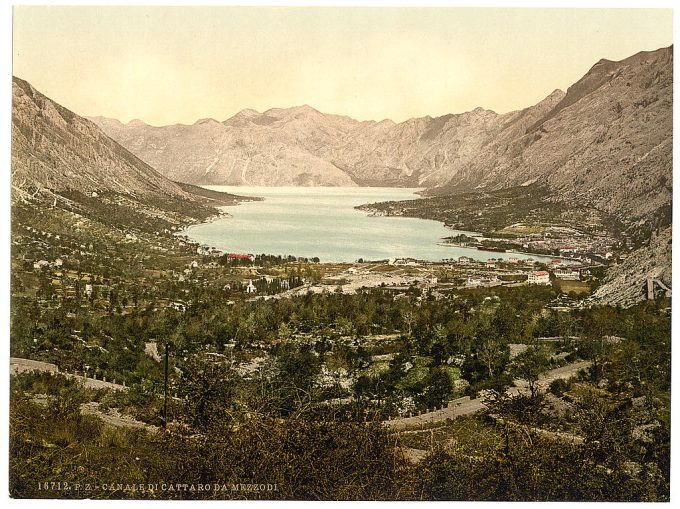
(513, 251)
(207, 220)
(221, 212)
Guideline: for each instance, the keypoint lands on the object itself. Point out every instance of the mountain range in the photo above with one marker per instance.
(606, 141)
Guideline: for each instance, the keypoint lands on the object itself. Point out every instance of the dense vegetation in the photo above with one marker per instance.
(269, 429)
(295, 394)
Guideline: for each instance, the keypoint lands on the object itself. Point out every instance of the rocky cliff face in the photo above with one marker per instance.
(626, 284)
(278, 147)
(301, 146)
(55, 149)
(607, 142)
(62, 160)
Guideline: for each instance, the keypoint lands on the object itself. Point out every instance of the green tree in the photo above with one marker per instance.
(438, 387)
(296, 370)
(530, 365)
(208, 390)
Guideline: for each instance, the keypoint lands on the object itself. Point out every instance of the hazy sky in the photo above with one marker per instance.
(177, 64)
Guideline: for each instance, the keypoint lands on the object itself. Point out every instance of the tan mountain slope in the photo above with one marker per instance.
(61, 160)
(606, 143)
(56, 149)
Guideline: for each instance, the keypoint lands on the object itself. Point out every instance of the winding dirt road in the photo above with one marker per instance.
(466, 406)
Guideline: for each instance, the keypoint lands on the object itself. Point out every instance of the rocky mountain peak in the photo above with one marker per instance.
(245, 114)
(296, 112)
(207, 121)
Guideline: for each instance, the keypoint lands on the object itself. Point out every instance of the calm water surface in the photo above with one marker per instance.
(322, 221)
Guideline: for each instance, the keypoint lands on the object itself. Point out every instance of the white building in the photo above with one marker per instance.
(474, 281)
(539, 277)
(431, 279)
(251, 287)
(571, 274)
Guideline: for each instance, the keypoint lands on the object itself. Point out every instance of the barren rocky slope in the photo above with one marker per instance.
(626, 284)
(607, 143)
(301, 146)
(249, 148)
(60, 159)
(54, 148)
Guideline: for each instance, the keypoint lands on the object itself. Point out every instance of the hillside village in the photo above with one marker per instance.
(68, 272)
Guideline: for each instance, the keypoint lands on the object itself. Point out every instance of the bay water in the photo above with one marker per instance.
(322, 222)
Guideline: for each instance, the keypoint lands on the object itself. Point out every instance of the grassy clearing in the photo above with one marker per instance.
(522, 229)
(579, 287)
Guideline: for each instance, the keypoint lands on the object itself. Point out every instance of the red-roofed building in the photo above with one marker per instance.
(235, 256)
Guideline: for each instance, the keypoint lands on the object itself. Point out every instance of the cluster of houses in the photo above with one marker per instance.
(574, 245)
(204, 250)
(208, 251)
(573, 274)
(567, 242)
(559, 267)
(493, 262)
(177, 305)
(72, 285)
(44, 264)
(535, 277)
(491, 272)
(475, 281)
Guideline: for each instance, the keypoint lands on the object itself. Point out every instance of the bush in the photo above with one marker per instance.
(559, 387)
